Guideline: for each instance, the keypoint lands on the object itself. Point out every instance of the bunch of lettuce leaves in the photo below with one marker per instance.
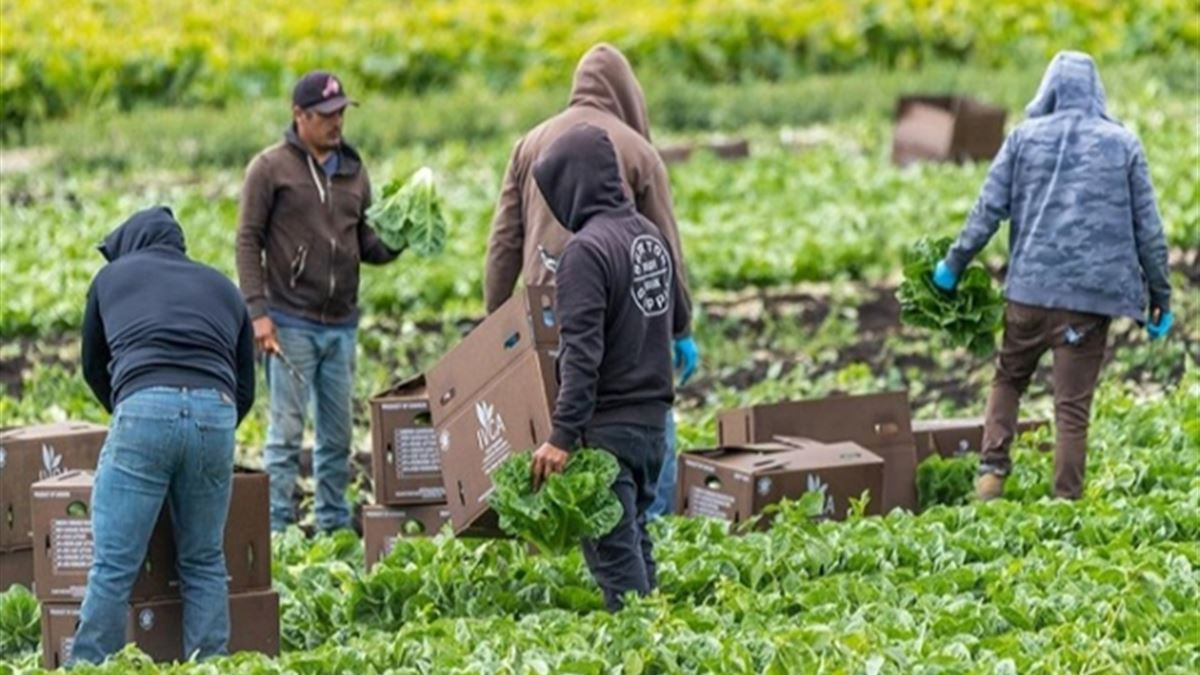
(577, 504)
(969, 316)
(408, 215)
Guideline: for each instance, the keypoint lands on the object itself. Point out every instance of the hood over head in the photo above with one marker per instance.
(579, 176)
(1071, 82)
(155, 226)
(605, 80)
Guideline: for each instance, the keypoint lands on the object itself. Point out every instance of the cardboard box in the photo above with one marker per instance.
(30, 454)
(946, 128)
(406, 466)
(157, 627)
(510, 415)
(63, 556)
(735, 484)
(952, 437)
(490, 396)
(16, 567)
(878, 422)
(523, 324)
(383, 524)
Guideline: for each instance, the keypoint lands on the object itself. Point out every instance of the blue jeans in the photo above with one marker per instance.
(172, 445)
(323, 377)
(664, 492)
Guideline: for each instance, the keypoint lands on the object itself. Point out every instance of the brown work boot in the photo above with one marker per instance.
(989, 486)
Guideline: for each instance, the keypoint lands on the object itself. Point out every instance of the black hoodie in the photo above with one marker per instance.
(618, 295)
(156, 318)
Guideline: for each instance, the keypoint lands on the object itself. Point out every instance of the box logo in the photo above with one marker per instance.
(815, 484)
(3, 458)
(51, 462)
(651, 287)
(146, 619)
(490, 434)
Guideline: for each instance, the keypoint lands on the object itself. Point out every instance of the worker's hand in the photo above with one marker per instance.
(265, 336)
(944, 277)
(1160, 323)
(687, 357)
(548, 460)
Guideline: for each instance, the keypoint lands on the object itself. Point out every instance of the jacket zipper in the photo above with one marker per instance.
(332, 250)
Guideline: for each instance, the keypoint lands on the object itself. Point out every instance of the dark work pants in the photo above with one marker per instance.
(1077, 341)
(623, 560)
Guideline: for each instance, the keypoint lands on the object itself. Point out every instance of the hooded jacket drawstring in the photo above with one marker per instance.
(312, 171)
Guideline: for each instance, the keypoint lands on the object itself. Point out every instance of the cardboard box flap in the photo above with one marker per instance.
(63, 481)
(51, 430)
(754, 458)
(812, 455)
(412, 387)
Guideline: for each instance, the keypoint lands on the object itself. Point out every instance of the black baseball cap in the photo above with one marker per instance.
(321, 91)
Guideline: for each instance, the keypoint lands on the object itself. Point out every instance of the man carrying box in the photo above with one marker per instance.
(168, 344)
(1087, 244)
(619, 302)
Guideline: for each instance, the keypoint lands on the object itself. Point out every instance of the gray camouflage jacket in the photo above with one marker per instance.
(1085, 233)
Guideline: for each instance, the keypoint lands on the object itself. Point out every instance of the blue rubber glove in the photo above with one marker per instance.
(1162, 327)
(944, 277)
(687, 357)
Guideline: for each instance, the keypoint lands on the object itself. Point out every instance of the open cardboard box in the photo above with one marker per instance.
(737, 483)
(880, 423)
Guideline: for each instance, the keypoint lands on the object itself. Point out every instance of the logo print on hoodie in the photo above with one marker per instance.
(651, 285)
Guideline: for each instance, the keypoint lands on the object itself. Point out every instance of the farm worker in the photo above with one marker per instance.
(620, 299)
(168, 344)
(526, 239)
(1086, 245)
(302, 234)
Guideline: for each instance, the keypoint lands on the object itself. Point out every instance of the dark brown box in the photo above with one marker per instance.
(510, 415)
(729, 148)
(406, 465)
(735, 484)
(946, 128)
(30, 454)
(16, 567)
(676, 154)
(156, 627)
(525, 323)
(952, 437)
(383, 524)
(880, 423)
(63, 528)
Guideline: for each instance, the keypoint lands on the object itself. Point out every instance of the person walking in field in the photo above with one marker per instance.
(302, 234)
(168, 349)
(526, 239)
(619, 301)
(1086, 246)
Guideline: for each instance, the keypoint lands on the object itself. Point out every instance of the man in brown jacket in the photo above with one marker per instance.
(526, 239)
(302, 234)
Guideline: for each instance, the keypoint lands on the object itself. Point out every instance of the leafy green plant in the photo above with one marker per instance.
(946, 480)
(408, 215)
(577, 504)
(969, 316)
(20, 621)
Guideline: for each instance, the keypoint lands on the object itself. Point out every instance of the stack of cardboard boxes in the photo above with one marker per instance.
(28, 455)
(62, 535)
(410, 498)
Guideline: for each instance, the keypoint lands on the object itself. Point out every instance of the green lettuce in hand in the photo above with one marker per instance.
(577, 504)
(408, 215)
(968, 317)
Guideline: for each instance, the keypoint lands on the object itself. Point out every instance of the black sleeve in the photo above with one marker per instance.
(94, 353)
(581, 298)
(245, 368)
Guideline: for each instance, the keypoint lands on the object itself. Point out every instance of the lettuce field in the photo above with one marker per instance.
(794, 254)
